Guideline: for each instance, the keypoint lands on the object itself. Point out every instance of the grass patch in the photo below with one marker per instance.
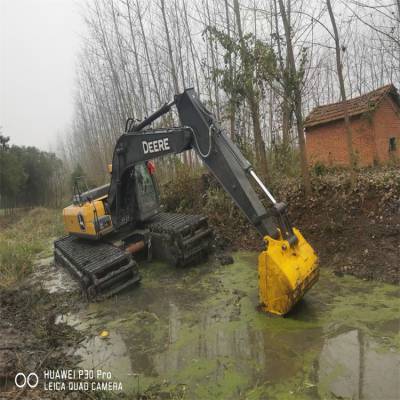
(22, 238)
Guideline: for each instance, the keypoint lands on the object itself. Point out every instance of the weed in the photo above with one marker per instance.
(24, 237)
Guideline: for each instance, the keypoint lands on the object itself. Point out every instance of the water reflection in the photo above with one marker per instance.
(215, 340)
(100, 353)
(351, 365)
(217, 344)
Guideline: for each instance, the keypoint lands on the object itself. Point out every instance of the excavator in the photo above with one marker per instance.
(112, 227)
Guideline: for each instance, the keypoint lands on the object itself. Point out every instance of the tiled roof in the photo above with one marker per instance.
(358, 105)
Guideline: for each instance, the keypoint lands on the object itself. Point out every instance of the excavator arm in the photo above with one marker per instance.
(288, 266)
(200, 132)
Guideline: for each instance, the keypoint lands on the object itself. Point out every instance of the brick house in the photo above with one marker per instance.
(375, 124)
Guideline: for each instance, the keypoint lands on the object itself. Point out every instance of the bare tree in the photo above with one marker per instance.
(297, 99)
(251, 97)
(169, 44)
(339, 66)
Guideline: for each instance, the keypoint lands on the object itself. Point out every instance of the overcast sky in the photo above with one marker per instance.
(39, 43)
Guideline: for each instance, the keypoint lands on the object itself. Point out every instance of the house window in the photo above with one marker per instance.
(392, 144)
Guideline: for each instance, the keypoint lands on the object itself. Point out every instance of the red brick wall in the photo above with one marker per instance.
(386, 125)
(327, 143)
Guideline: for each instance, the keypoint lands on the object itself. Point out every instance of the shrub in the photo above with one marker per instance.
(320, 169)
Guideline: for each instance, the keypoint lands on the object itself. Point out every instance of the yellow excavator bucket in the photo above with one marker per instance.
(285, 273)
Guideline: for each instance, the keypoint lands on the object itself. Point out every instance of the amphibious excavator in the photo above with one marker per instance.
(112, 227)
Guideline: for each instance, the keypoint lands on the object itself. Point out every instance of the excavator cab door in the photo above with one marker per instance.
(147, 198)
(139, 200)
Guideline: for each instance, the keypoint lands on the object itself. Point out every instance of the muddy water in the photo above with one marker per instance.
(199, 330)
(49, 276)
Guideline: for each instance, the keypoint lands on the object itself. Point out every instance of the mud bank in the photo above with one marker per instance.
(354, 227)
(30, 338)
(197, 334)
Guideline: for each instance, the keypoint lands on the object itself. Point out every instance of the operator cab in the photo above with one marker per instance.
(146, 192)
(89, 215)
(139, 194)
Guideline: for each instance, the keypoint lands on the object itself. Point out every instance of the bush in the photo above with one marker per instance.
(184, 191)
(320, 169)
(197, 192)
(284, 161)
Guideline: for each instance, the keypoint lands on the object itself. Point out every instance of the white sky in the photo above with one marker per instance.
(39, 42)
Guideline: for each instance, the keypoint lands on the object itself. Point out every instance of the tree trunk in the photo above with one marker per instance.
(296, 100)
(213, 63)
(137, 63)
(232, 102)
(121, 57)
(170, 54)
(339, 67)
(286, 106)
(252, 100)
(146, 49)
(190, 38)
(179, 45)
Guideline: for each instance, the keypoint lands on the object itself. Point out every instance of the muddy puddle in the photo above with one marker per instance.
(49, 276)
(199, 329)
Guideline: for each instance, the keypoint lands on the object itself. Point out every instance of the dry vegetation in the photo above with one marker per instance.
(30, 339)
(23, 236)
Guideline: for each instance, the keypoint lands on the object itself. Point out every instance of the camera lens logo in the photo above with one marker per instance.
(21, 380)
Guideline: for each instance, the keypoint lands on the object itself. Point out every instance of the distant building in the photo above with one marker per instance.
(375, 125)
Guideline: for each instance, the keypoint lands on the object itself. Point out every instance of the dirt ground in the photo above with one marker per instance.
(30, 339)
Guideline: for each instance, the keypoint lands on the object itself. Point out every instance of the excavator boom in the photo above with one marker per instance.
(288, 266)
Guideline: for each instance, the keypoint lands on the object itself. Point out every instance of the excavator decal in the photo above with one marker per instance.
(155, 146)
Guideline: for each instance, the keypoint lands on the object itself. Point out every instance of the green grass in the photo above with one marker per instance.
(22, 237)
